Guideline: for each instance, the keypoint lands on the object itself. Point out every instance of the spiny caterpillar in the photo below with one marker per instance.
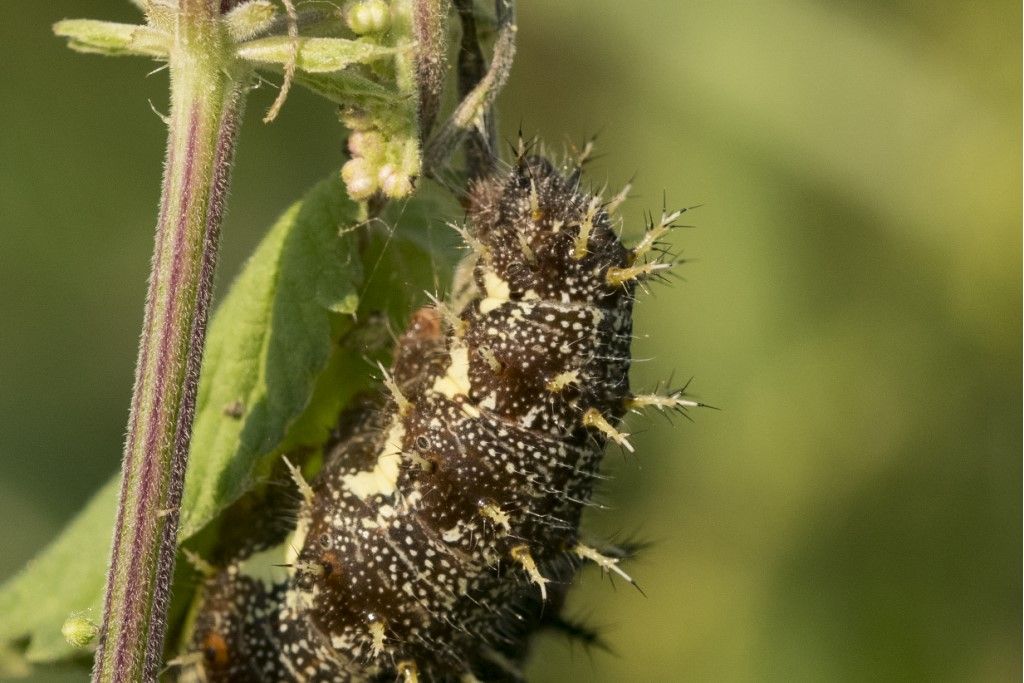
(443, 529)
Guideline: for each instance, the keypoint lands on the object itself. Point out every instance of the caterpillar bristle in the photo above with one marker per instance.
(616, 202)
(521, 554)
(198, 563)
(593, 418)
(617, 277)
(607, 563)
(576, 631)
(396, 393)
(300, 482)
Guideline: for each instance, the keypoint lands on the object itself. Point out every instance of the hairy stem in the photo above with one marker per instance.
(207, 96)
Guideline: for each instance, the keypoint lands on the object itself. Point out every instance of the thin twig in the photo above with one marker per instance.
(477, 102)
(289, 67)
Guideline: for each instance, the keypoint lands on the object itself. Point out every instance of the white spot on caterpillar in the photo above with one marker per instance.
(562, 380)
(301, 600)
(409, 671)
(377, 632)
(531, 415)
(383, 478)
(492, 360)
(496, 515)
(455, 382)
(497, 290)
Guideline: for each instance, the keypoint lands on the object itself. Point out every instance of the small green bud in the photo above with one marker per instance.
(366, 143)
(394, 183)
(79, 631)
(368, 16)
(250, 19)
(360, 179)
(356, 118)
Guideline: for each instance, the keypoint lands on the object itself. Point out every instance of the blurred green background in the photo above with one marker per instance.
(854, 305)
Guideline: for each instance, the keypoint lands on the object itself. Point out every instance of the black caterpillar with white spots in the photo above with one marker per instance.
(443, 529)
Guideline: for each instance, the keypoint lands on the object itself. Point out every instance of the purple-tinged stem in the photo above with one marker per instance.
(207, 96)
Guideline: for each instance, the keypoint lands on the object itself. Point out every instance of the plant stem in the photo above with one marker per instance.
(207, 97)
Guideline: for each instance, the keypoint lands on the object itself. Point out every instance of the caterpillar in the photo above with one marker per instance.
(443, 529)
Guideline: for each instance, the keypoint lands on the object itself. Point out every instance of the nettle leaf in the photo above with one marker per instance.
(65, 579)
(275, 375)
(268, 342)
(315, 55)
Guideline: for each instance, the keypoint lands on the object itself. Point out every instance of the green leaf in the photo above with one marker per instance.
(113, 39)
(345, 87)
(269, 341)
(315, 55)
(274, 376)
(67, 577)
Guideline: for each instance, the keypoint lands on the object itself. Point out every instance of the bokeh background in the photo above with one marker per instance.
(853, 304)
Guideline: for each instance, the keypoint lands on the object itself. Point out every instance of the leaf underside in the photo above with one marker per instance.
(275, 375)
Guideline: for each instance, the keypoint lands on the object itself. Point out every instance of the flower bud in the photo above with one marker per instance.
(250, 19)
(366, 143)
(394, 183)
(79, 631)
(360, 181)
(368, 16)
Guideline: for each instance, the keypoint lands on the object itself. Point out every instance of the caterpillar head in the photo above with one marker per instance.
(541, 236)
